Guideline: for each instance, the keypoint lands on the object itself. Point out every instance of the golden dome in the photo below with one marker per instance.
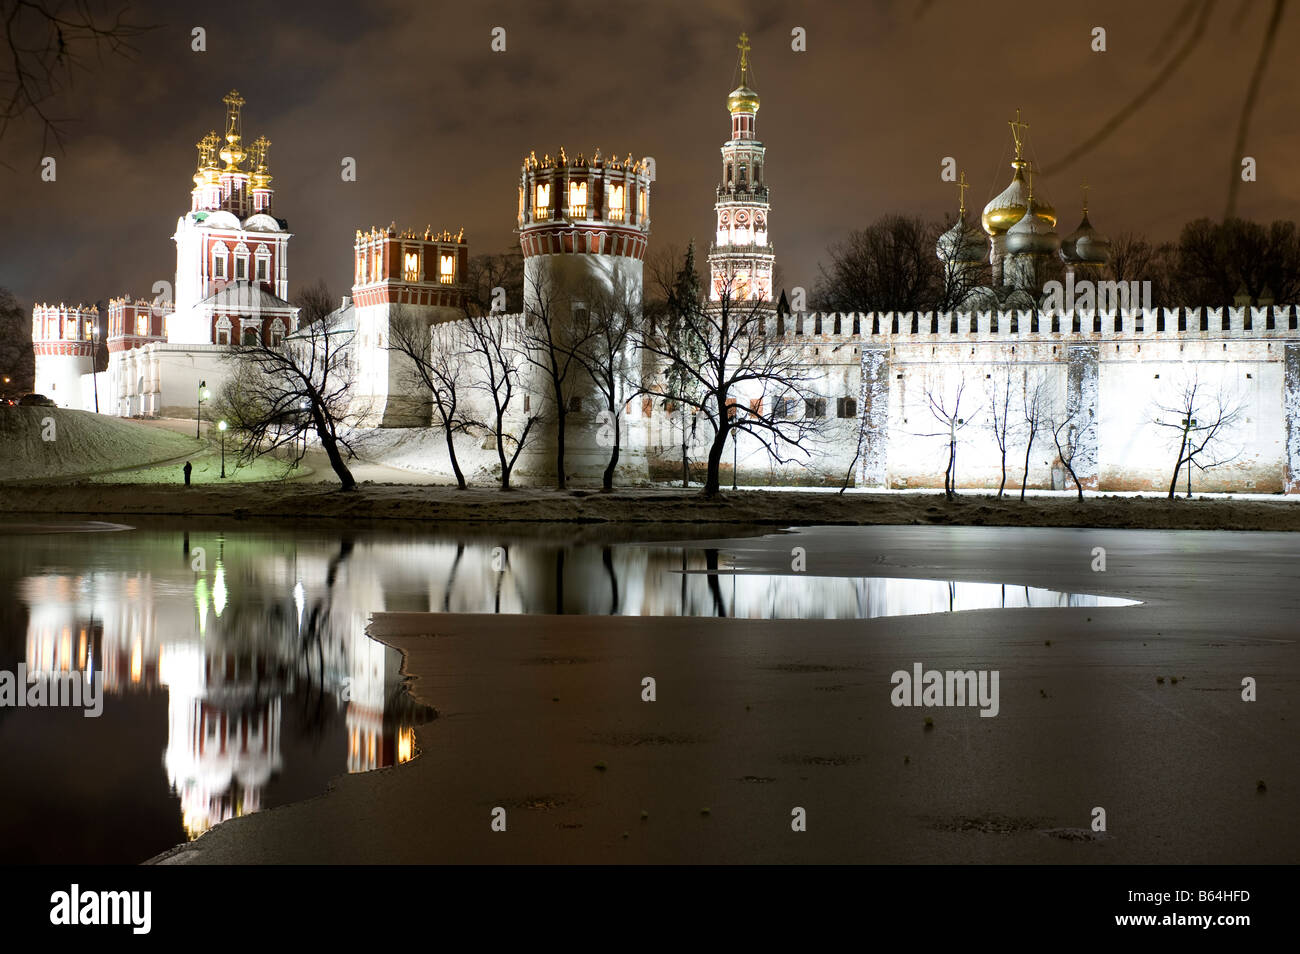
(742, 100)
(1008, 206)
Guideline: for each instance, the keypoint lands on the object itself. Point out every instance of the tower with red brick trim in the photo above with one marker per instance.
(232, 275)
(583, 227)
(63, 337)
(741, 256)
(396, 275)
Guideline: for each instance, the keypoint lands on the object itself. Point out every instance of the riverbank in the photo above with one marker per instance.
(306, 501)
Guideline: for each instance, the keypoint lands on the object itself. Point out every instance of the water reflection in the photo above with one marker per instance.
(254, 646)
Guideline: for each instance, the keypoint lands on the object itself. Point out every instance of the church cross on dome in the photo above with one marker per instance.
(962, 186)
(1017, 127)
(744, 48)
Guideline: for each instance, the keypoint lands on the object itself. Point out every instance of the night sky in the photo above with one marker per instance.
(855, 127)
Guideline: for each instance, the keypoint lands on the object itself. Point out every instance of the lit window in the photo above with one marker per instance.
(142, 325)
(542, 204)
(376, 266)
(577, 199)
(411, 267)
(640, 203)
(447, 269)
(616, 203)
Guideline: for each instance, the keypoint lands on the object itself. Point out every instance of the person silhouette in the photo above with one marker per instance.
(188, 468)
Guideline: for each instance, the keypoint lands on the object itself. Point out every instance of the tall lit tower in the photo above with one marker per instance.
(583, 227)
(741, 253)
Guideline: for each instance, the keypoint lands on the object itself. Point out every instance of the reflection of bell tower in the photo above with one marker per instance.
(741, 253)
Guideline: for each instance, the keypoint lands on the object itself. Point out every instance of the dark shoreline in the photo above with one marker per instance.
(421, 504)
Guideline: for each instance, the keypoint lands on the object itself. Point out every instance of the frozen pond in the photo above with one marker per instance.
(237, 675)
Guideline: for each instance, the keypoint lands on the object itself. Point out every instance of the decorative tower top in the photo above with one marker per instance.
(743, 101)
(741, 259)
(233, 154)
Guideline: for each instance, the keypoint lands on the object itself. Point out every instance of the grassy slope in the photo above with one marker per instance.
(83, 443)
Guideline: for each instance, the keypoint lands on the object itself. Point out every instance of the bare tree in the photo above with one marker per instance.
(1066, 425)
(677, 316)
(946, 409)
(612, 325)
(279, 394)
(888, 266)
(552, 340)
(740, 363)
(1198, 420)
(314, 302)
(1035, 409)
(494, 349)
(45, 44)
(494, 283)
(436, 359)
(998, 388)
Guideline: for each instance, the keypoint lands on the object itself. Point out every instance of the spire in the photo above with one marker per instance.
(233, 154)
(1017, 128)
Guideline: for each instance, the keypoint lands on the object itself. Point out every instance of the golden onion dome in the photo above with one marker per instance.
(1007, 207)
(742, 100)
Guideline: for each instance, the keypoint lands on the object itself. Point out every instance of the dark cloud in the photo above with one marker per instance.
(856, 127)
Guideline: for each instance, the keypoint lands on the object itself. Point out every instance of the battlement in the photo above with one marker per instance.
(603, 194)
(410, 267)
(59, 323)
(1277, 321)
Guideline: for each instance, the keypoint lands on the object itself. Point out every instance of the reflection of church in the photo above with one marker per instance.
(229, 661)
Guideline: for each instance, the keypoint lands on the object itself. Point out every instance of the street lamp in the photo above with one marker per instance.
(221, 426)
(204, 394)
(1188, 424)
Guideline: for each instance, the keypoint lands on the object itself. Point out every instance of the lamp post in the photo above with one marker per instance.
(1188, 424)
(221, 426)
(204, 393)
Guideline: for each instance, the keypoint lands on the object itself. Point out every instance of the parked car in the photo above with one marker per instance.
(35, 400)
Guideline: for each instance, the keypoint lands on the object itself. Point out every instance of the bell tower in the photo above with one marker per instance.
(741, 252)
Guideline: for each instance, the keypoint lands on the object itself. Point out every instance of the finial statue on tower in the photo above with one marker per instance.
(1017, 128)
(744, 48)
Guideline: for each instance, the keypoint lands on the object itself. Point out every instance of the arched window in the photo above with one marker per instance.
(277, 332)
(411, 267)
(617, 198)
(447, 269)
(542, 201)
(578, 199)
(250, 336)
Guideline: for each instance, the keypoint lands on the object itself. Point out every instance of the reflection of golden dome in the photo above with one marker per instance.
(742, 100)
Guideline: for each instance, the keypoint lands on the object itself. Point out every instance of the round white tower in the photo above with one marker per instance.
(63, 337)
(583, 226)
